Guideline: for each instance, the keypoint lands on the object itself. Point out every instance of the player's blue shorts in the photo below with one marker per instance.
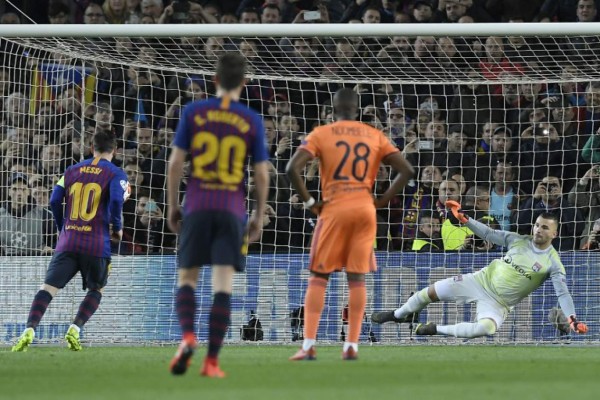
(212, 237)
(65, 264)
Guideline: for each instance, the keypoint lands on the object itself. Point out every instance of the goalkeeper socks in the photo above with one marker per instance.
(357, 300)
(88, 307)
(314, 300)
(468, 329)
(416, 303)
(38, 308)
(185, 305)
(218, 323)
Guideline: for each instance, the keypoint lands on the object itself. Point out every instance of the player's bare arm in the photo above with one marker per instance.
(174, 174)
(404, 171)
(293, 169)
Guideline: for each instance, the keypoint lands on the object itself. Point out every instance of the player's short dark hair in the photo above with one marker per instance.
(231, 70)
(104, 142)
(547, 215)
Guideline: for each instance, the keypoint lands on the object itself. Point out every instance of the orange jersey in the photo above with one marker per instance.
(350, 153)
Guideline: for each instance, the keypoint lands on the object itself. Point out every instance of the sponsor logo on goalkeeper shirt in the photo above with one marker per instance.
(519, 268)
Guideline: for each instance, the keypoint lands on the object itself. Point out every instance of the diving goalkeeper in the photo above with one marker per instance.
(500, 286)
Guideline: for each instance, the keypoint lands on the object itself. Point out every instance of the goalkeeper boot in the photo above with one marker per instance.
(24, 340)
(183, 358)
(211, 369)
(305, 355)
(426, 329)
(388, 316)
(350, 354)
(72, 338)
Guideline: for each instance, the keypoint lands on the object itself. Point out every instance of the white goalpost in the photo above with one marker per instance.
(498, 109)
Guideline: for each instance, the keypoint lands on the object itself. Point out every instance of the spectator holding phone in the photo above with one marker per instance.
(585, 195)
(592, 241)
(548, 198)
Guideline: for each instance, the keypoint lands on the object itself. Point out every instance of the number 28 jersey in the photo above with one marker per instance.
(220, 134)
(350, 153)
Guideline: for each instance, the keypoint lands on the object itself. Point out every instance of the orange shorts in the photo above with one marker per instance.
(344, 239)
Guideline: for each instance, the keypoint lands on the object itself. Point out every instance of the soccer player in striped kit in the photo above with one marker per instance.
(95, 190)
(220, 133)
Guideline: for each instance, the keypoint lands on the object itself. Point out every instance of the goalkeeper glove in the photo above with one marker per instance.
(454, 206)
(577, 326)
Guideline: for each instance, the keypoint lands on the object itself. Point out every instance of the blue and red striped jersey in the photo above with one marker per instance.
(220, 134)
(94, 191)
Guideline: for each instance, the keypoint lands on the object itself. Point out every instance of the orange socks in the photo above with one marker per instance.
(356, 309)
(314, 300)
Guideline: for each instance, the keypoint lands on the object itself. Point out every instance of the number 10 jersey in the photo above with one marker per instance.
(94, 190)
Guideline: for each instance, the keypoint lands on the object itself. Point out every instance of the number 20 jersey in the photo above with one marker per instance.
(349, 153)
(220, 134)
(94, 191)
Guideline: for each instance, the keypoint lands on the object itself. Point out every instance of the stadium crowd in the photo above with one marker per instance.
(507, 145)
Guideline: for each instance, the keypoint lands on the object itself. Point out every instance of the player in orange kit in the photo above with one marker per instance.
(350, 153)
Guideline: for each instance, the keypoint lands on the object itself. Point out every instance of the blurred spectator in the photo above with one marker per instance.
(562, 10)
(25, 228)
(585, 196)
(51, 164)
(250, 16)
(504, 197)
(548, 198)
(115, 11)
(586, 11)
(77, 146)
(152, 8)
(541, 145)
(453, 11)
(15, 109)
(476, 202)
(59, 13)
(592, 110)
(565, 119)
(103, 117)
(422, 11)
(456, 174)
(485, 139)
(94, 14)
(10, 19)
(428, 237)
(419, 195)
(592, 241)
(271, 14)
(397, 125)
(145, 97)
(270, 236)
(40, 194)
(453, 234)
(501, 149)
(134, 9)
(591, 149)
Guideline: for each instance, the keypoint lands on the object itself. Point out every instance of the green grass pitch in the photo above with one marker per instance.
(382, 372)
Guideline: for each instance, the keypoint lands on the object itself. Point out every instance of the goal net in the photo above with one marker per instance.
(506, 124)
